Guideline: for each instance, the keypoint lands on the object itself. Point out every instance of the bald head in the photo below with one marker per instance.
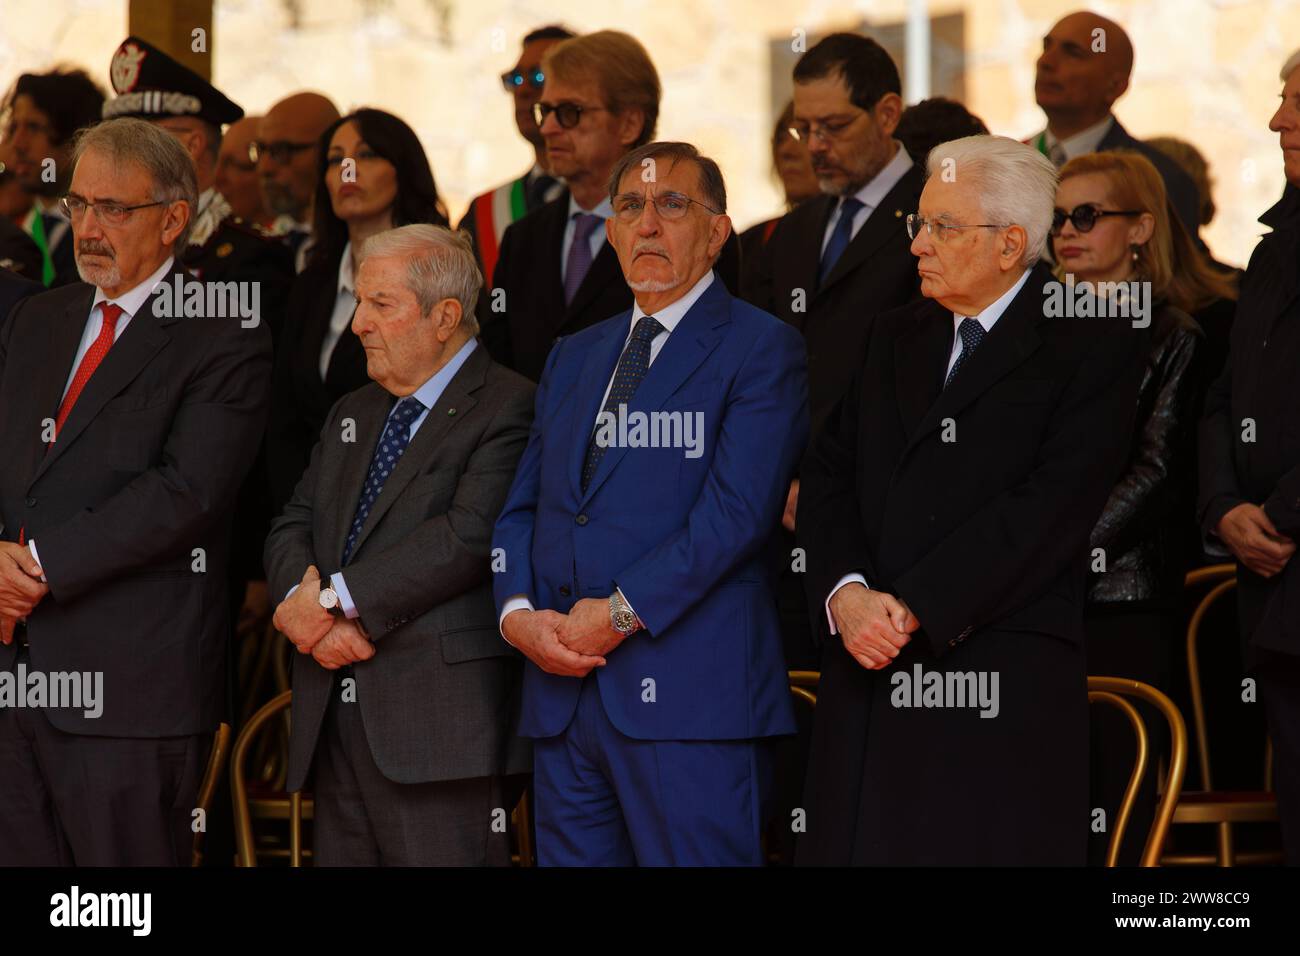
(1083, 69)
(287, 165)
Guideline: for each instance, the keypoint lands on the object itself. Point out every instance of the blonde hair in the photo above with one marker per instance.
(1178, 272)
(620, 67)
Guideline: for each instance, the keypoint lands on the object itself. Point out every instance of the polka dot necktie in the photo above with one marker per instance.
(632, 366)
(972, 334)
(397, 435)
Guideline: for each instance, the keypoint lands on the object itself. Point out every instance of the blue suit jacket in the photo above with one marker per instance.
(682, 537)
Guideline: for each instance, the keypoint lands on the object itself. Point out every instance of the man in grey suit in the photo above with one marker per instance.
(405, 697)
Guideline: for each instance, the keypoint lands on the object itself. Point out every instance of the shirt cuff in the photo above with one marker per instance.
(345, 596)
(847, 579)
(31, 546)
(516, 602)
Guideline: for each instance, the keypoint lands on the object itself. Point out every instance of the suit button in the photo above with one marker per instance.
(953, 642)
(581, 519)
(31, 502)
(564, 590)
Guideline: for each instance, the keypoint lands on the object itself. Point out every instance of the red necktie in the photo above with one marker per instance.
(89, 362)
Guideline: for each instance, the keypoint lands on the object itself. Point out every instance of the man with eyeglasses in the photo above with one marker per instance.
(41, 114)
(127, 430)
(491, 212)
(632, 575)
(1084, 68)
(221, 248)
(287, 154)
(946, 510)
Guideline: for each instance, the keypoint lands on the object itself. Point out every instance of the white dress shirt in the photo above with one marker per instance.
(345, 304)
(604, 210)
(428, 395)
(669, 317)
(872, 194)
(130, 303)
(1081, 143)
(987, 318)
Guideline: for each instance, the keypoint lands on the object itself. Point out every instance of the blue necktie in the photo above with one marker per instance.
(840, 237)
(972, 334)
(632, 366)
(579, 261)
(397, 435)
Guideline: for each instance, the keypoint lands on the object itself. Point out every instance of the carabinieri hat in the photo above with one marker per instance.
(150, 84)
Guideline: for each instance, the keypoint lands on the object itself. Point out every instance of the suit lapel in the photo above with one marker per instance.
(451, 407)
(597, 369)
(809, 251)
(143, 337)
(920, 355)
(1012, 340)
(690, 344)
(356, 460)
(604, 270)
(885, 222)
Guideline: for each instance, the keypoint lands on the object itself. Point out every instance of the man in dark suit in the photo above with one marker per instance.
(222, 248)
(407, 702)
(946, 510)
(1250, 466)
(129, 423)
(1084, 68)
(631, 546)
(556, 274)
(18, 252)
(834, 262)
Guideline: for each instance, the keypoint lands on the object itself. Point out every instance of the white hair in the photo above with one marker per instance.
(1290, 65)
(440, 264)
(1014, 183)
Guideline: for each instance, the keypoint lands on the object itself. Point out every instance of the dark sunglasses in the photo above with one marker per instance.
(1085, 217)
(517, 78)
(568, 115)
(281, 151)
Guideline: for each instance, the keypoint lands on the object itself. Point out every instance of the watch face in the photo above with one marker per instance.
(329, 598)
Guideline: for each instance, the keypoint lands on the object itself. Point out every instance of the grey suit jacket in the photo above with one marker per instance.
(439, 700)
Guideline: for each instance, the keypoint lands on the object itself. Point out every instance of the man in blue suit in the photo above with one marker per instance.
(630, 566)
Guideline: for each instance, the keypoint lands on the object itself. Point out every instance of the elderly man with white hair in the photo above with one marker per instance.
(1250, 464)
(404, 695)
(945, 512)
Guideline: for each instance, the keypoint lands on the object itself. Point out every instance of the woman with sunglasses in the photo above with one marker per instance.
(372, 175)
(1113, 224)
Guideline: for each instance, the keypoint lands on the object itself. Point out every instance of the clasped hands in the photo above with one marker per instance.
(21, 588)
(874, 625)
(569, 645)
(1254, 541)
(332, 640)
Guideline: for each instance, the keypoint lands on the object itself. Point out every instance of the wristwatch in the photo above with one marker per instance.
(329, 599)
(621, 616)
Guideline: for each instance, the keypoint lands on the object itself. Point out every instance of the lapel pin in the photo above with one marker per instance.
(224, 250)
(898, 214)
(450, 412)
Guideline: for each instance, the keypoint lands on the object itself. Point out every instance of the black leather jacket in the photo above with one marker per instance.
(1142, 528)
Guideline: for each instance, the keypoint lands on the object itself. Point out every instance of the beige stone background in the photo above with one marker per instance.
(1206, 70)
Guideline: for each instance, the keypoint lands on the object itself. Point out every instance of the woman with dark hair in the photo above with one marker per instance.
(373, 176)
(793, 166)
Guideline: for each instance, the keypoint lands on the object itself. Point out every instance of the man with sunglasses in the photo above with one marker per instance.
(491, 212)
(287, 154)
(632, 573)
(127, 430)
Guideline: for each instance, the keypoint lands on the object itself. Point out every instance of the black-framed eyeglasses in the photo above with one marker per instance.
(113, 213)
(514, 79)
(1085, 217)
(628, 207)
(282, 151)
(568, 115)
(939, 230)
